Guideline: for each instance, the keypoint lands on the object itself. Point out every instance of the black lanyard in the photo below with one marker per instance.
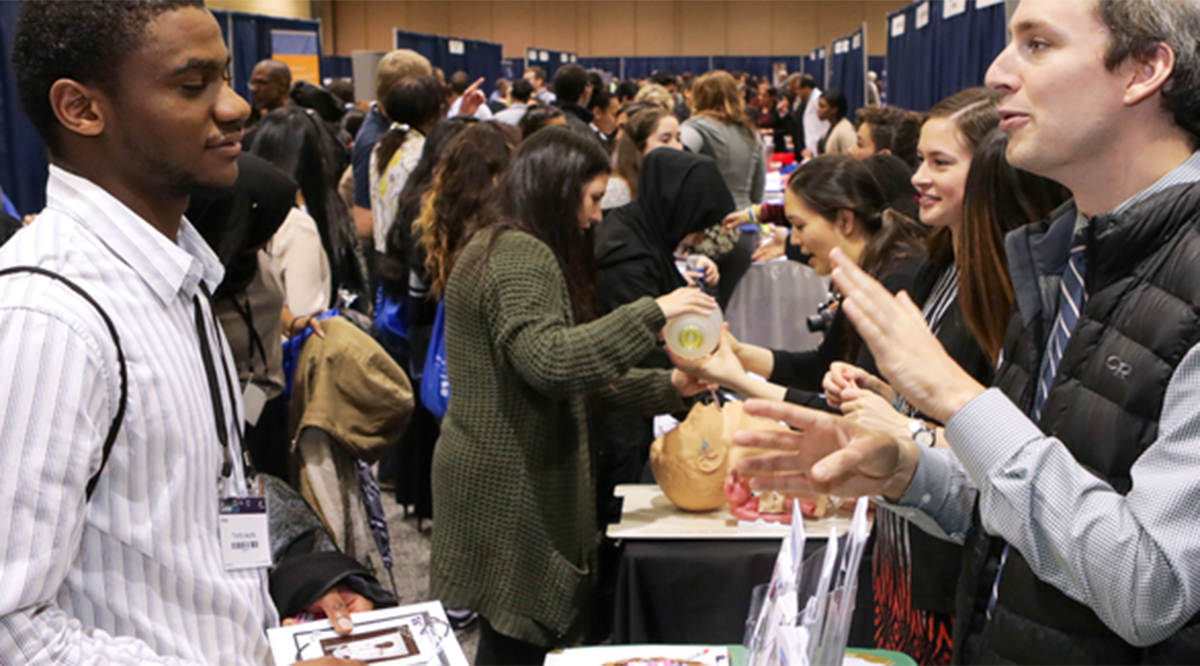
(210, 370)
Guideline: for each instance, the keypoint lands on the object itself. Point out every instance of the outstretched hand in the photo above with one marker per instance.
(824, 453)
(905, 350)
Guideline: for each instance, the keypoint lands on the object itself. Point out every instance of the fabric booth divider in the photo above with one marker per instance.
(939, 47)
(848, 70)
(451, 54)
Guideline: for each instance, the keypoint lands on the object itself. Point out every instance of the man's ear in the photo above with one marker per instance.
(1149, 75)
(77, 108)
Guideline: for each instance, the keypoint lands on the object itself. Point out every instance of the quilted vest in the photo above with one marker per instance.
(1141, 317)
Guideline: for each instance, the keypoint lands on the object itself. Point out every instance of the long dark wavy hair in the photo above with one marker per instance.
(542, 195)
(394, 264)
(998, 199)
(462, 182)
(301, 145)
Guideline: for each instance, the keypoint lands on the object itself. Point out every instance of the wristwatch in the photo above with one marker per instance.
(922, 433)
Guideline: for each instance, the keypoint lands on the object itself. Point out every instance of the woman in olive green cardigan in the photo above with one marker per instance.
(515, 533)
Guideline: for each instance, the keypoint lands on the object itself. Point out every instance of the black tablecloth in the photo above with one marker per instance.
(698, 592)
(689, 591)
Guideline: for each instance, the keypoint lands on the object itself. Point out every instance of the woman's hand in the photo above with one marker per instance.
(774, 249)
(686, 300)
(721, 367)
(707, 269)
(735, 219)
(906, 351)
(688, 386)
(843, 376)
(871, 411)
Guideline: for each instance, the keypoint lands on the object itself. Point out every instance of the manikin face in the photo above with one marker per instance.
(175, 122)
(1060, 103)
(665, 134)
(864, 144)
(941, 179)
(593, 193)
(814, 234)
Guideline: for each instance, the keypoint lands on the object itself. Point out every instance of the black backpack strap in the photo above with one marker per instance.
(112, 330)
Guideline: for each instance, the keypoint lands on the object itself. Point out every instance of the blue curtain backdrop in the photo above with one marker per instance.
(23, 167)
(761, 66)
(944, 55)
(336, 67)
(548, 59)
(473, 56)
(846, 71)
(814, 66)
(610, 65)
(644, 66)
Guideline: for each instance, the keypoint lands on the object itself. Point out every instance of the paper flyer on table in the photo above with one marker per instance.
(401, 636)
(640, 655)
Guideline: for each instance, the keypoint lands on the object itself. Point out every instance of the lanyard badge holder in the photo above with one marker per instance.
(243, 521)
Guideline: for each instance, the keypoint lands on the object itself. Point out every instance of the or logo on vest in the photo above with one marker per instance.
(1119, 368)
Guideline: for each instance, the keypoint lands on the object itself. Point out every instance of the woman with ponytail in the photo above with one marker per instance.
(413, 105)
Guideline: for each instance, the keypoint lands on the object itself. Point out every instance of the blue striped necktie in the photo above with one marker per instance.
(1071, 298)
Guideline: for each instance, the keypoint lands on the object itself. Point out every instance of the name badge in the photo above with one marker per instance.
(244, 531)
(254, 398)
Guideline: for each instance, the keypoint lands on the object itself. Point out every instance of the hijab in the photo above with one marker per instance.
(679, 193)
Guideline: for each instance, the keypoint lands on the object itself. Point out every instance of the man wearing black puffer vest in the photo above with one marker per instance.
(1075, 481)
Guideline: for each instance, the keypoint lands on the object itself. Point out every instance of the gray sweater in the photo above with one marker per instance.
(738, 155)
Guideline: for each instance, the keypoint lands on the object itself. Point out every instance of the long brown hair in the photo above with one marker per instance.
(998, 199)
(628, 154)
(462, 180)
(717, 94)
(541, 194)
(975, 112)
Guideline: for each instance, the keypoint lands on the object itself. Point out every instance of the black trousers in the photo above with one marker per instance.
(496, 649)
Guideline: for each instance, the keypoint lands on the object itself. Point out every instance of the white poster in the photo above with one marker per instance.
(980, 4)
(531, 55)
(898, 25)
(857, 44)
(922, 15)
(951, 8)
(456, 47)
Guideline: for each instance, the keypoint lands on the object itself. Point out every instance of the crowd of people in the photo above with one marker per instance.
(270, 294)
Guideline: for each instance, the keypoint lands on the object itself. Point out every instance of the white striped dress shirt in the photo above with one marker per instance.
(134, 576)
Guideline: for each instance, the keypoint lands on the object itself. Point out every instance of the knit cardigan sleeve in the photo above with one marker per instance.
(642, 391)
(530, 318)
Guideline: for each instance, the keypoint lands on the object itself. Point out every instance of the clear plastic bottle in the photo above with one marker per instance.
(693, 336)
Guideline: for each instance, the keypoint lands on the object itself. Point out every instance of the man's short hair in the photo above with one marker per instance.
(1137, 27)
(522, 90)
(600, 99)
(664, 78)
(459, 82)
(627, 90)
(569, 83)
(86, 42)
(277, 70)
(396, 65)
(538, 73)
(807, 81)
(893, 129)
